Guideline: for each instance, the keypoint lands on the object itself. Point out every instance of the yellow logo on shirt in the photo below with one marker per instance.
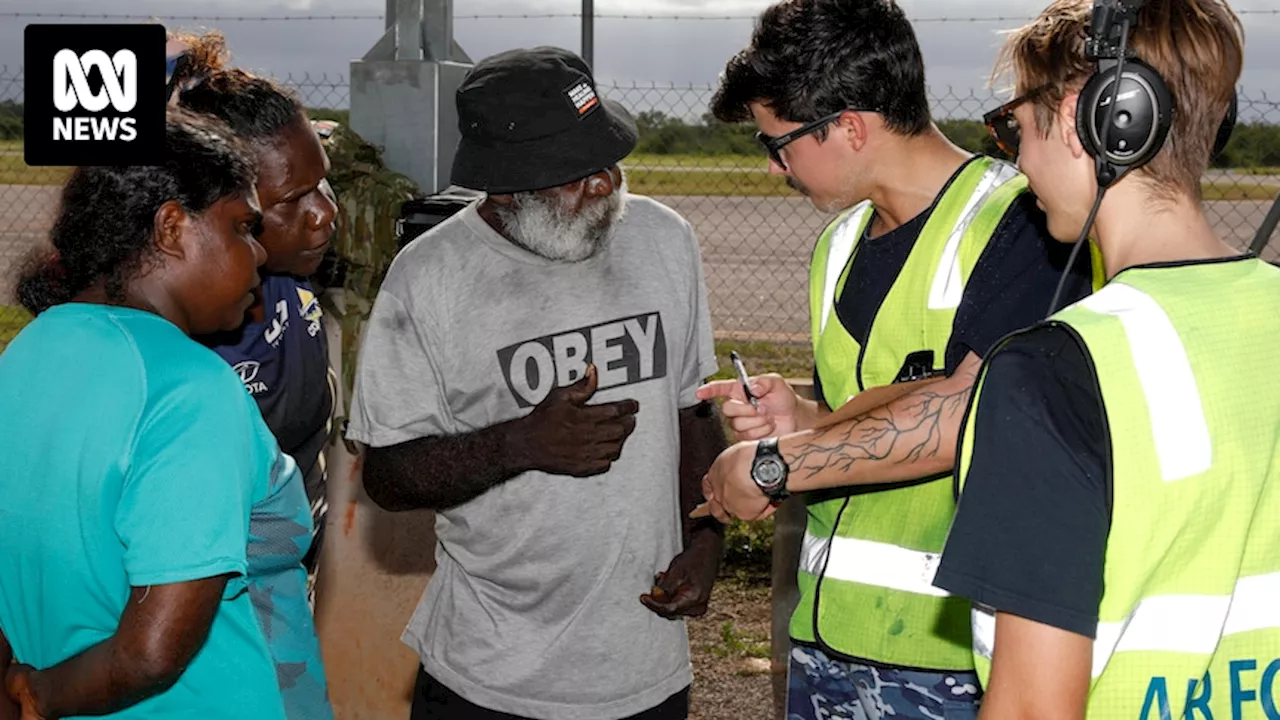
(309, 309)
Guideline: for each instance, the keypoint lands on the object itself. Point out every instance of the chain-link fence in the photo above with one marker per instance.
(29, 195)
(756, 232)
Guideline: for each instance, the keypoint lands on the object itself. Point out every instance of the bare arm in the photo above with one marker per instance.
(1038, 672)
(684, 588)
(809, 413)
(911, 436)
(701, 441)
(9, 710)
(160, 631)
(439, 473)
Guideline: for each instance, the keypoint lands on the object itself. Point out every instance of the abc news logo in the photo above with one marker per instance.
(71, 91)
(94, 94)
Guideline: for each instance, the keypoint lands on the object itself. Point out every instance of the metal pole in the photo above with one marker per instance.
(788, 537)
(1268, 226)
(588, 32)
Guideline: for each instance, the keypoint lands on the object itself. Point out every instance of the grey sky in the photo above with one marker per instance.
(959, 54)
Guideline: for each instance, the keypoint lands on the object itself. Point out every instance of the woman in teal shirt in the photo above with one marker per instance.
(132, 457)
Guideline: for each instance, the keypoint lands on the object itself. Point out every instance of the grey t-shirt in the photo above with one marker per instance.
(534, 608)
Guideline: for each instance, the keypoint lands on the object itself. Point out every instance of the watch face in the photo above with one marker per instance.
(769, 471)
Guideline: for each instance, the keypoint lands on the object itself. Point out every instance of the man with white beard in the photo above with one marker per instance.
(528, 373)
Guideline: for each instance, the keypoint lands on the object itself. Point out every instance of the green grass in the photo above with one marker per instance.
(756, 163)
(728, 182)
(720, 183)
(649, 174)
(1235, 191)
(790, 361)
(738, 644)
(12, 319)
(13, 171)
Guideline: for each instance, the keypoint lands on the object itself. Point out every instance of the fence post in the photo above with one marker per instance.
(788, 534)
(589, 33)
(1268, 226)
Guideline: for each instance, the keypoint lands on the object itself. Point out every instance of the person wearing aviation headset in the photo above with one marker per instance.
(1117, 470)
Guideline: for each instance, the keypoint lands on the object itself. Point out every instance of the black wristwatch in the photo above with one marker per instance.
(769, 470)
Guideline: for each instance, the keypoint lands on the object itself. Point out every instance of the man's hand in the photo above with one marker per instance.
(565, 436)
(778, 406)
(729, 489)
(17, 685)
(685, 588)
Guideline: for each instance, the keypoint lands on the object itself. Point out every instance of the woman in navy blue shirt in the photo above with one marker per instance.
(281, 353)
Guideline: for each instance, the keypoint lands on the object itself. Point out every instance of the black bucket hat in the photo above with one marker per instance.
(531, 119)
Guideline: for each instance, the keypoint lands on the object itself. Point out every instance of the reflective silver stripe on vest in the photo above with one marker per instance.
(1177, 418)
(871, 563)
(948, 285)
(1192, 624)
(948, 282)
(839, 249)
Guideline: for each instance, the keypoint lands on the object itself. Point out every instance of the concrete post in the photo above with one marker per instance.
(402, 91)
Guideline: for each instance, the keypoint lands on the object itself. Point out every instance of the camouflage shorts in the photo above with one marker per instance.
(819, 688)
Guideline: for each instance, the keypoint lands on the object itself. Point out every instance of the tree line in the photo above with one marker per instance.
(1253, 145)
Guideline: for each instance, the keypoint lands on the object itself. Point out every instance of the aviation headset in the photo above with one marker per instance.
(1125, 109)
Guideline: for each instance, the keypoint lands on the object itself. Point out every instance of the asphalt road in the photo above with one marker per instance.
(755, 251)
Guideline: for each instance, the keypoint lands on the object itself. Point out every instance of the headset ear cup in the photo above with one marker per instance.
(1086, 111)
(1147, 103)
(1162, 111)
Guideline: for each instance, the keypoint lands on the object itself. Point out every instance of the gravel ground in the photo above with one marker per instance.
(730, 647)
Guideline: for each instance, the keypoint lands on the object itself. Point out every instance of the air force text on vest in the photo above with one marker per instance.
(1250, 686)
(72, 92)
(625, 351)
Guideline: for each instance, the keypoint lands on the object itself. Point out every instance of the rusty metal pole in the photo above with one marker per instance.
(788, 532)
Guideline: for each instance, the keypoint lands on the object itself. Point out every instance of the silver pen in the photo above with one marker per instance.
(742, 378)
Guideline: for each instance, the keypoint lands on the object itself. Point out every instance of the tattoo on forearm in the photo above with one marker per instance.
(908, 430)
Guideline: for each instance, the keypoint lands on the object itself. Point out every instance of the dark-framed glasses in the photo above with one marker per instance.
(1004, 127)
(774, 145)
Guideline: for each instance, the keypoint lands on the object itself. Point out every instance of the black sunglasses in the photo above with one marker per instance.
(1004, 127)
(774, 145)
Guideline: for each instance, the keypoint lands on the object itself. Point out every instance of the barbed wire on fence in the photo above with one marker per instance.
(515, 16)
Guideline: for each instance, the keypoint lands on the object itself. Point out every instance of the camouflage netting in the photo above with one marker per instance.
(369, 197)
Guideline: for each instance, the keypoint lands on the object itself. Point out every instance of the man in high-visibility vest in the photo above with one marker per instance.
(1118, 526)
(935, 255)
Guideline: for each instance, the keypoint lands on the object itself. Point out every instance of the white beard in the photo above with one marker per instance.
(538, 224)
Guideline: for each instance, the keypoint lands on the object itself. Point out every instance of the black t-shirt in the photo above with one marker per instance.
(1030, 532)
(1010, 288)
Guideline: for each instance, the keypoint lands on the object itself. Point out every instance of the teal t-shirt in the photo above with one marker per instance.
(130, 456)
